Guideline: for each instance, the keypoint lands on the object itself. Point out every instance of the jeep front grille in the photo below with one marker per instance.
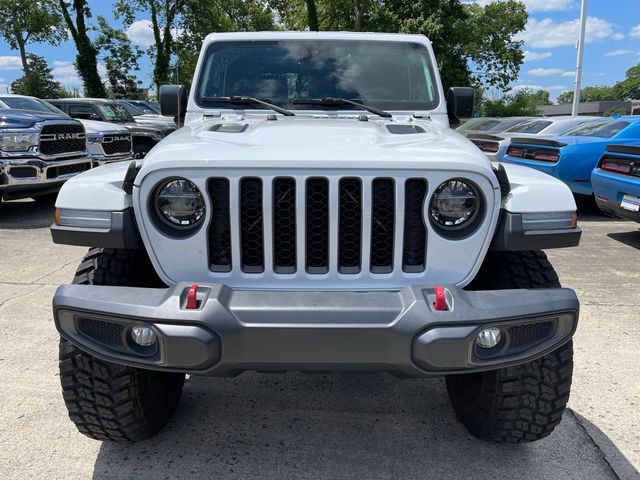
(62, 139)
(316, 223)
(116, 144)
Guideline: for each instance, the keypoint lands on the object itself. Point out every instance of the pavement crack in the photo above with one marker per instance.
(595, 443)
(37, 287)
(55, 271)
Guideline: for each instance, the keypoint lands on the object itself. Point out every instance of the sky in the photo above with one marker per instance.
(612, 45)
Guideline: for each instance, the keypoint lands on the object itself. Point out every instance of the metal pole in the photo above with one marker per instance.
(583, 27)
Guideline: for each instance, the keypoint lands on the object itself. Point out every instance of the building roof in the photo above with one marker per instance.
(585, 108)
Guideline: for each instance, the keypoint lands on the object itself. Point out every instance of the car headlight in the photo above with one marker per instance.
(179, 204)
(455, 206)
(94, 138)
(17, 141)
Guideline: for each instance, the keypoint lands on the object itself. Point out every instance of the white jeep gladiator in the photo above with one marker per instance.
(316, 212)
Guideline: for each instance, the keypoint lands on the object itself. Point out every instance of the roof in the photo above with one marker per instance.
(85, 100)
(585, 108)
(305, 35)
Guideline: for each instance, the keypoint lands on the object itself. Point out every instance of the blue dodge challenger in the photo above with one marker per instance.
(616, 181)
(571, 157)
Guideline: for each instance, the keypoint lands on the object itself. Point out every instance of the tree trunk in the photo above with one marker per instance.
(23, 54)
(312, 16)
(359, 20)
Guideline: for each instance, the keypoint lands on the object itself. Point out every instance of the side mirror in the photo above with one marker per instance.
(173, 101)
(460, 103)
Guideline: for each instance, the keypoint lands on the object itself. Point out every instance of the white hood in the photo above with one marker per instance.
(94, 126)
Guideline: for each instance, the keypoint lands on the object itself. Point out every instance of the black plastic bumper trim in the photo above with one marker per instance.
(511, 236)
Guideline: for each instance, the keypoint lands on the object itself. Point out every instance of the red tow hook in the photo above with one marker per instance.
(192, 297)
(441, 301)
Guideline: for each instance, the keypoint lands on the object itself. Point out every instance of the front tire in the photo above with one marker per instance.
(109, 401)
(525, 402)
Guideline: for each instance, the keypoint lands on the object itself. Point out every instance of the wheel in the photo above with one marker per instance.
(140, 150)
(48, 198)
(523, 403)
(108, 401)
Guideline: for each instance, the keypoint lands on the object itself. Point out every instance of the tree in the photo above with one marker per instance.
(38, 81)
(629, 88)
(521, 103)
(86, 60)
(600, 93)
(121, 60)
(163, 14)
(25, 21)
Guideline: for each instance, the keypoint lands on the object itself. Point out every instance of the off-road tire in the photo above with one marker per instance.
(108, 401)
(523, 403)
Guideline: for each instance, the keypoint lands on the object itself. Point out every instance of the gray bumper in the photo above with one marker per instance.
(22, 175)
(233, 330)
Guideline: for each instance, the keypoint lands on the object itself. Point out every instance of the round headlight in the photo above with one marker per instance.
(455, 205)
(179, 203)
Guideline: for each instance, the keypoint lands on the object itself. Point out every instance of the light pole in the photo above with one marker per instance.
(583, 27)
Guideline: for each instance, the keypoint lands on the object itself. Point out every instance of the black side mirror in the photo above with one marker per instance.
(460, 103)
(173, 101)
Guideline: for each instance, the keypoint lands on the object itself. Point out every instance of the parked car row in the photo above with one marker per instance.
(44, 143)
(594, 156)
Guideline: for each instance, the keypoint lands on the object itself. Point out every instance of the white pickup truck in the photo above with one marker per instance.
(316, 212)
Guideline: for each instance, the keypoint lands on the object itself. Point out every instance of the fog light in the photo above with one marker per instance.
(143, 336)
(489, 337)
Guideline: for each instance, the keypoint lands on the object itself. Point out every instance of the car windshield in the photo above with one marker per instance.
(504, 125)
(477, 124)
(386, 75)
(132, 109)
(534, 126)
(33, 104)
(606, 129)
(147, 107)
(114, 112)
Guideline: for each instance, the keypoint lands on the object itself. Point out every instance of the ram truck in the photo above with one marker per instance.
(316, 212)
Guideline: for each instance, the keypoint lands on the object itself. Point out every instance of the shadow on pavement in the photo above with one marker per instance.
(26, 214)
(628, 238)
(354, 426)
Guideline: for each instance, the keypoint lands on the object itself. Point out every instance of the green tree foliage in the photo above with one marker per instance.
(629, 88)
(600, 93)
(163, 15)
(38, 81)
(521, 103)
(25, 21)
(86, 59)
(201, 17)
(121, 60)
(473, 44)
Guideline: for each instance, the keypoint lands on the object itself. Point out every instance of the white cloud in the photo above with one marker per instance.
(141, 33)
(635, 31)
(11, 62)
(621, 52)
(617, 36)
(530, 56)
(539, 5)
(546, 72)
(552, 88)
(547, 33)
(65, 72)
(568, 73)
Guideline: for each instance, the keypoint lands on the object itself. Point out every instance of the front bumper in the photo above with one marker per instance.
(20, 176)
(235, 330)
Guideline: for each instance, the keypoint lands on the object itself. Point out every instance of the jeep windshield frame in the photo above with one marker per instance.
(386, 75)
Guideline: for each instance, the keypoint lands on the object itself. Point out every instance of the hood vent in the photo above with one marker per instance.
(229, 127)
(400, 129)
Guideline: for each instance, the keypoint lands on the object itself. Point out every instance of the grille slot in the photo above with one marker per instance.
(317, 225)
(251, 226)
(54, 172)
(529, 334)
(62, 139)
(382, 225)
(284, 225)
(108, 333)
(415, 233)
(115, 145)
(220, 228)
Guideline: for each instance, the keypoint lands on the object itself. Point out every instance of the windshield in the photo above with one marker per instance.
(604, 129)
(505, 124)
(386, 75)
(114, 112)
(477, 124)
(33, 104)
(146, 107)
(535, 126)
(133, 110)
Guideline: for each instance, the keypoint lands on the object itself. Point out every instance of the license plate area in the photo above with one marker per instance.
(630, 202)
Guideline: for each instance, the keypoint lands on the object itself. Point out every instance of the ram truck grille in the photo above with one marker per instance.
(116, 144)
(62, 140)
(284, 225)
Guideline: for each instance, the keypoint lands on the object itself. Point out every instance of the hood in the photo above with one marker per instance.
(94, 126)
(27, 118)
(146, 129)
(307, 142)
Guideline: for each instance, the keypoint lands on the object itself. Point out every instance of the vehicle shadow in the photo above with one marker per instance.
(355, 426)
(26, 214)
(631, 239)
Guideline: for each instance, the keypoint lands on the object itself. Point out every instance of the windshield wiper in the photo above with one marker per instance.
(329, 101)
(239, 100)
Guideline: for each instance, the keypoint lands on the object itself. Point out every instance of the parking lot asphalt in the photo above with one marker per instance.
(325, 426)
